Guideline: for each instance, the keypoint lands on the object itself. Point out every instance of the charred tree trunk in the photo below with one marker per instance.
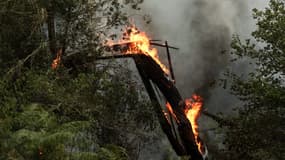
(153, 72)
(180, 150)
(51, 28)
(150, 71)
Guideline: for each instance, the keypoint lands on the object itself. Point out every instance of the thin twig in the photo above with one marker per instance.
(22, 62)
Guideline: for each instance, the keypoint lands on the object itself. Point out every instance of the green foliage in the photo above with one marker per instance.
(85, 97)
(79, 110)
(16, 37)
(105, 153)
(35, 130)
(270, 57)
(258, 131)
(35, 133)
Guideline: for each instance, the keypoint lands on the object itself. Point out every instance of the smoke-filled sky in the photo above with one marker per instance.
(202, 29)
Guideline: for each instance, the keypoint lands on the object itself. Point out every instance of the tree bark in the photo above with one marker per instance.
(51, 28)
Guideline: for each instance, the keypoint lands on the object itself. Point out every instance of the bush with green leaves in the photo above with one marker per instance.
(79, 110)
(258, 131)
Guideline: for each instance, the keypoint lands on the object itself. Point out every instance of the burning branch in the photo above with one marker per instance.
(192, 111)
(57, 60)
(136, 44)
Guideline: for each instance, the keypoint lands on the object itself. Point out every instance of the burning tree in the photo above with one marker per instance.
(184, 135)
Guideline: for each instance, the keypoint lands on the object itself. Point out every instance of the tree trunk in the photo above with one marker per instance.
(51, 28)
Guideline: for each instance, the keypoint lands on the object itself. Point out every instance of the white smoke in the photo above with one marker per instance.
(202, 29)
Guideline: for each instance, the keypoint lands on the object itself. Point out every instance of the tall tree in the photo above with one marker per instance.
(106, 97)
(258, 131)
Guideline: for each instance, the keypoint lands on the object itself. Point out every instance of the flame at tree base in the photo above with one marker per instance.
(192, 110)
(193, 107)
(56, 61)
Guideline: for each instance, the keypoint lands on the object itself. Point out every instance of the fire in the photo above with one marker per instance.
(192, 111)
(169, 108)
(139, 44)
(57, 60)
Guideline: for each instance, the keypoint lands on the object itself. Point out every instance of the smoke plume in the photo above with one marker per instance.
(202, 29)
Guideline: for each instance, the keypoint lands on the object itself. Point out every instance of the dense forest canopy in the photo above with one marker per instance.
(87, 109)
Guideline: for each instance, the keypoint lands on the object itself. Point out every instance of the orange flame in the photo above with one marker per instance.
(57, 60)
(192, 111)
(140, 44)
(166, 116)
(169, 108)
